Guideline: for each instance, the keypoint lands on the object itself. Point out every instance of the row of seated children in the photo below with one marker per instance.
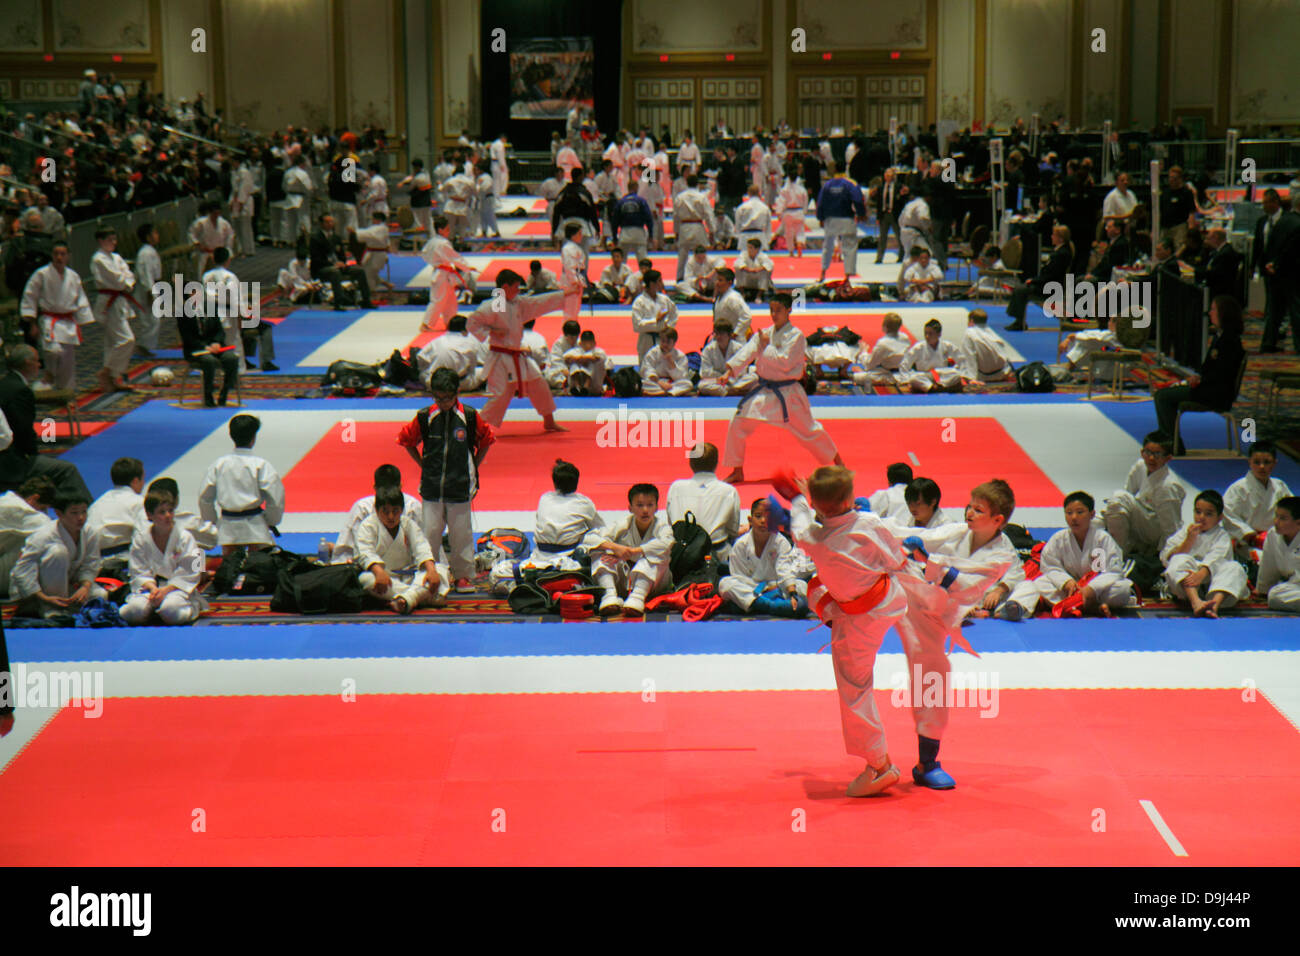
(931, 365)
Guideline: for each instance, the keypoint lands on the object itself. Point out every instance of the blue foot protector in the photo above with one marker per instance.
(936, 778)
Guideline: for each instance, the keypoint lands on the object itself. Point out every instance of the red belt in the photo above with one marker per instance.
(58, 315)
(519, 369)
(114, 294)
(861, 604)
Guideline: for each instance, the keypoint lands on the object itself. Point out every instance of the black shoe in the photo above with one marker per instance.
(368, 305)
(209, 401)
(143, 352)
(270, 367)
(221, 399)
(250, 365)
(1016, 327)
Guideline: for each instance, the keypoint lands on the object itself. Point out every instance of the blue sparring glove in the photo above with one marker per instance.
(778, 516)
(861, 504)
(915, 548)
(776, 602)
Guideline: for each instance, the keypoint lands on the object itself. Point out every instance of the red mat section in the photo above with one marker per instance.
(516, 471)
(604, 779)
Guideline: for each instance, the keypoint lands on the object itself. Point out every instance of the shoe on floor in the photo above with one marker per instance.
(250, 365)
(868, 783)
(936, 778)
(611, 605)
(464, 586)
(270, 367)
(1016, 327)
(634, 607)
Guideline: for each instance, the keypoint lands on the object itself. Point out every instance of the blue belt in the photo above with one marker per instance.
(116, 549)
(775, 386)
(250, 513)
(556, 548)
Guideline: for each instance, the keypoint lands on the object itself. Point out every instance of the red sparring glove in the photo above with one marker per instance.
(783, 484)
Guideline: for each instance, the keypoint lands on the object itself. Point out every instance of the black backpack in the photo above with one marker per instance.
(352, 378)
(399, 370)
(626, 382)
(691, 548)
(247, 572)
(1034, 377)
(322, 589)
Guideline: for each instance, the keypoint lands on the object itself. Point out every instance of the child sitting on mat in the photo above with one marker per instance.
(55, 573)
(392, 549)
(630, 557)
(761, 569)
(165, 565)
(1199, 567)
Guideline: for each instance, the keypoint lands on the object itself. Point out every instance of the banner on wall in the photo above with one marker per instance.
(549, 76)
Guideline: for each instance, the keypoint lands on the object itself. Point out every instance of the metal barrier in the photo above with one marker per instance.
(172, 219)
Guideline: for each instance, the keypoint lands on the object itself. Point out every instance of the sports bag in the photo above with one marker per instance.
(352, 378)
(326, 589)
(691, 549)
(255, 572)
(510, 542)
(626, 382)
(1035, 377)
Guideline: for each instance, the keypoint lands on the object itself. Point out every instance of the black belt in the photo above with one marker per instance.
(556, 548)
(775, 386)
(116, 549)
(249, 513)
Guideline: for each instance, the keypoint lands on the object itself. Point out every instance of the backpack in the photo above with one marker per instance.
(1035, 377)
(399, 370)
(511, 542)
(1020, 539)
(691, 548)
(255, 572)
(320, 589)
(352, 378)
(626, 382)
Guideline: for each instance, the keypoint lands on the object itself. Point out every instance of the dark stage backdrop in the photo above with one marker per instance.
(526, 20)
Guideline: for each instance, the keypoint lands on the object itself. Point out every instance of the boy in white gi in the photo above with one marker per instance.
(630, 557)
(652, 313)
(374, 238)
(922, 498)
(386, 476)
(204, 533)
(881, 362)
(753, 268)
(792, 207)
(587, 366)
(451, 275)
(697, 284)
(754, 220)
(1199, 559)
(1076, 345)
(454, 349)
(573, 270)
(242, 493)
(452, 440)
(564, 516)
(778, 355)
(511, 371)
(115, 515)
(1149, 508)
(55, 573)
(539, 279)
(714, 503)
(636, 281)
(485, 189)
(1279, 565)
(22, 514)
(1080, 558)
(856, 593)
(614, 278)
(890, 502)
(557, 371)
(148, 270)
(548, 190)
(1250, 503)
(665, 370)
(56, 303)
(985, 357)
(165, 568)
(295, 280)
(761, 561)
(932, 364)
(211, 231)
(392, 549)
(713, 363)
(921, 281)
(729, 306)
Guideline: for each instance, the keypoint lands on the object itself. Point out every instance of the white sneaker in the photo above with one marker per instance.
(634, 606)
(611, 605)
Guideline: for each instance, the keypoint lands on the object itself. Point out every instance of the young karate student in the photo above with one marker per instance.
(485, 190)
(754, 219)
(534, 343)
(761, 562)
(511, 370)
(779, 399)
(1199, 559)
(1279, 564)
(921, 280)
(1250, 503)
(55, 573)
(713, 363)
(55, 301)
(697, 284)
(630, 556)
(881, 362)
(664, 370)
(564, 515)
(165, 566)
(636, 281)
(295, 280)
(204, 533)
(984, 354)
(714, 503)
(1079, 558)
(753, 268)
(729, 306)
(116, 514)
(22, 514)
(922, 498)
(890, 502)
(573, 272)
(115, 307)
(652, 313)
(374, 239)
(454, 349)
(932, 364)
(540, 279)
(451, 276)
(856, 593)
(449, 441)
(391, 550)
(148, 270)
(1076, 345)
(1149, 508)
(615, 277)
(587, 366)
(246, 491)
(557, 371)
(386, 476)
(792, 207)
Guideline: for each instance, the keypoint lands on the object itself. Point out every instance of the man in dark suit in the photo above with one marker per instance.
(21, 460)
(1219, 273)
(1119, 252)
(203, 339)
(327, 256)
(889, 198)
(1056, 269)
(1276, 251)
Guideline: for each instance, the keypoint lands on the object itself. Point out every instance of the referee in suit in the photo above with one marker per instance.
(889, 196)
(1056, 269)
(1276, 256)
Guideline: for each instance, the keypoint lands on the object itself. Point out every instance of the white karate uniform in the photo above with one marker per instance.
(585, 375)
(753, 272)
(242, 189)
(851, 552)
(653, 194)
(985, 356)
(694, 222)
(1279, 573)
(779, 398)
(298, 188)
(1091, 340)
(217, 283)
(651, 316)
(621, 578)
(375, 197)
(731, 307)
(1212, 550)
(615, 279)
(179, 565)
(715, 505)
(658, 365)
(53, 564)
(18, 522)
(555, 371)
(563, 520)
(402, 555)
(614, 154)
(500, 166)
(242, 481)
(59, 305)
(713, 363)
(1063, 560)
(924, 369)
(295, 279)
(914, 225)
(115, 516)
(881, 362)
(509, 369)
(148, 270)
(792, 207)
(567, 160)
(548, 190)
(697, 270)
(459, 194)
(915, 273)
(688, 156)
(753, 221)
(375, 239)
(204, 533)
(746, 569)
(487, 204)
(543, 280)
(451, 274)
(890, 504)
(1146, 511)
(345, 547)
(573, 277)
(1249, 506)
(210, 237)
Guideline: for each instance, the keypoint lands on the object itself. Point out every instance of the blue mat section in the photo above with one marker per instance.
(302, 332)
(238, 642)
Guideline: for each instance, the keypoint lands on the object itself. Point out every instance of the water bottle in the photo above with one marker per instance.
(323, 550)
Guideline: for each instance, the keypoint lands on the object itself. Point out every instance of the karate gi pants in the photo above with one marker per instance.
(458, 520)
(405, 584)
(487, 215)
(620, 576)
(52, 570)
(502, 389)
(855, 640)
(296, 222)
(679, 387)
(792, 227)
(147, 329)
(244, 235)
(176, 608)
(444, 294)
(1226, 576)
(1132, 524)
(61, 364)
(845, 231)
(371, 264)
(739, 589)
(1284, 596)
(924, 381)
(807, 431)
(1027, 593)
(345, 217)
(712, 386)
(424, 220)
(923, 636)
(689, 235)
